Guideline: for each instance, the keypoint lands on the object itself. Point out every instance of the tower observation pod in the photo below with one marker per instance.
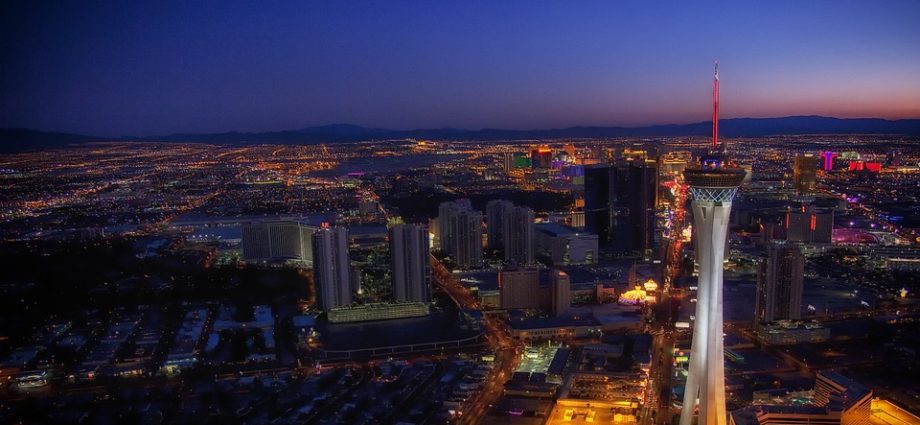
(713, 184)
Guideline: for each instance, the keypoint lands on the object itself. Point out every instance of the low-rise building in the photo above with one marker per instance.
(377, 311)
(791, 333)
(519, 288)
(555, 328)
(838, 400)
(563, 245)
(189, 338)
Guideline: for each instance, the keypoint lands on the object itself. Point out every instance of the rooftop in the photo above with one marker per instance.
(748, 415)
(554, 322)
(853, 391)
(555, 229)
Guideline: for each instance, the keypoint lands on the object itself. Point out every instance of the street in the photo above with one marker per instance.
(507, 350)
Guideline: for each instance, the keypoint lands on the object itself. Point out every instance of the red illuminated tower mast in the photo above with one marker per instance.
(715, 109)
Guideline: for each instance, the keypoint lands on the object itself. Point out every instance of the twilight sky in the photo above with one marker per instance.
(158, 67)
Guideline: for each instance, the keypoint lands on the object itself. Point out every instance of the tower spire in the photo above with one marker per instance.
(715, 108)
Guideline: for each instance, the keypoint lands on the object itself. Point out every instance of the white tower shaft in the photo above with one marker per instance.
(706, 379)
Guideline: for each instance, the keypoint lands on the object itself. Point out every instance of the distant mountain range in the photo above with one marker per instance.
(17, 139)
(22, 139)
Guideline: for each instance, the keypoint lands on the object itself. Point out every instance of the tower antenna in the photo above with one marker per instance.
(715, 109)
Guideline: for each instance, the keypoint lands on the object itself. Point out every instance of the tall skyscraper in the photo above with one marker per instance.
(620, 204)
(409, 263)
(636, 188)
(331, 268)
(804, 173)
(599, 184)
(712, 187)
(461, 233)
(519, 287)
(561, 288)
(779, 284)
(518, 231)
(495, 215)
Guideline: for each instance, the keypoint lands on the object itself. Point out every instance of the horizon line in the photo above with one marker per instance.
(340, 123)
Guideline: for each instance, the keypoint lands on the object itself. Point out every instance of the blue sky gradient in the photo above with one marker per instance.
(146, 68)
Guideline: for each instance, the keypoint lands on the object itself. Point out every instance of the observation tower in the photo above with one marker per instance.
(713, 184)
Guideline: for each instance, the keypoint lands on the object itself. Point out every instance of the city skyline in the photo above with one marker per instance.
(147, 70)
(578, 259)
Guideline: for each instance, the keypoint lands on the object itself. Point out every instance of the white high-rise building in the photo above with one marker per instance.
(409, 263)
(331, 268)
(460, 233)
(712, 188)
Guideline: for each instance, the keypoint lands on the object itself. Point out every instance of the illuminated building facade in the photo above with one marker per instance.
(377, 311)
(828, 158)
(277, 240)
(674, 163)
(633, 296)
